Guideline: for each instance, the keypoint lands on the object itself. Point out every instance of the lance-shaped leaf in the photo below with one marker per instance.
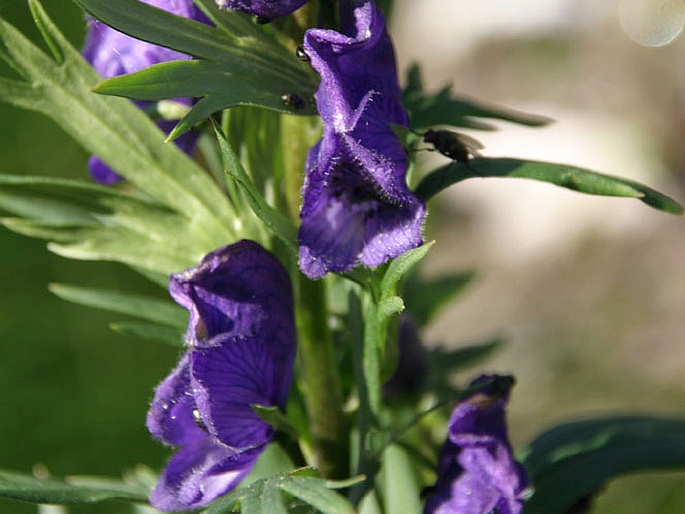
(114, 129)
(570, 177)
(574, 461)
(236, 65)
(92, 222)
(425, 298)
(444, 108)
(266, 495)
(149, 332)
(150, 309)
(28, 488)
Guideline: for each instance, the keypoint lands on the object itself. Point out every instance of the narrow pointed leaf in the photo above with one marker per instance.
(570, 177)
(114, 129)
(150, 309)
(28, 488)
(149, 332)
(451, 361)
(277, 224)
(425, 298)
(237, 64)
(314, 492)
(445, 108)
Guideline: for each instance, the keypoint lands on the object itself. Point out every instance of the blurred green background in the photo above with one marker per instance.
(596, 326)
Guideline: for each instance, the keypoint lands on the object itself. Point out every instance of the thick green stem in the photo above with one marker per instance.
(321, 382)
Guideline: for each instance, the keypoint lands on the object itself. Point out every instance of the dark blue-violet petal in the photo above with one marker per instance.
(231, 376)
(356, 208)
(266, 9)
(170, 418)
(357, 71)
(239, 290)
(199, 473)
(477, 473)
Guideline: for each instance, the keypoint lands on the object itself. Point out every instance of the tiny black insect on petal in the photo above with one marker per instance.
(294, 101)
(301, 54)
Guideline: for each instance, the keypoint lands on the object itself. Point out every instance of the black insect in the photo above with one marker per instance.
(262, 20)
(294, 101)
(454, 145)
(301, 54)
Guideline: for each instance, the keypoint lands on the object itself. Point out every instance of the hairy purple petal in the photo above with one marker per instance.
(477, 473)
(356, 206)
(237, 291)
(199, 473)
(263, 8)
(230, 377)
(170, 418)
(113, 53)
(242, 347)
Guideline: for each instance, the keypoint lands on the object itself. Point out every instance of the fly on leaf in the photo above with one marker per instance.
(455, 145)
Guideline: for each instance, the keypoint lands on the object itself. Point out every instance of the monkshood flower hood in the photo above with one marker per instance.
(477, 473)
(265, 9)
(113, 53)
(356, 207)
(242, 346)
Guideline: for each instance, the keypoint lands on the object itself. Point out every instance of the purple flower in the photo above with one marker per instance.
(242, 346)
(356, 207)
(477, 473)
(113, 53)
(265, 9)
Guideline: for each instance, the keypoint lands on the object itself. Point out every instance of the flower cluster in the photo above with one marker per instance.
(113, 53)
(356, 206)
(241, 338)
(477, 473)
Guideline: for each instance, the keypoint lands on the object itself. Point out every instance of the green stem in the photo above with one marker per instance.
(321, 382)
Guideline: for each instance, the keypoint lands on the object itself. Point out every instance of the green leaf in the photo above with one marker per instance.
(159, 311)
(111, 243)
(261, 496)
(117, 131)
(28, 488)
(400, 482)
(576, 459)
(570, 177)
(444, 108)
(149, 331)
(400, 266)
(277, 224)
(272, 500)
(93, 217)
(451, 361)
(315, 492)
(236, 64)
(275, 417)
(425, 298)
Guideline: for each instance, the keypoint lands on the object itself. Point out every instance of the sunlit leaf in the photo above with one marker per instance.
(570, 177)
